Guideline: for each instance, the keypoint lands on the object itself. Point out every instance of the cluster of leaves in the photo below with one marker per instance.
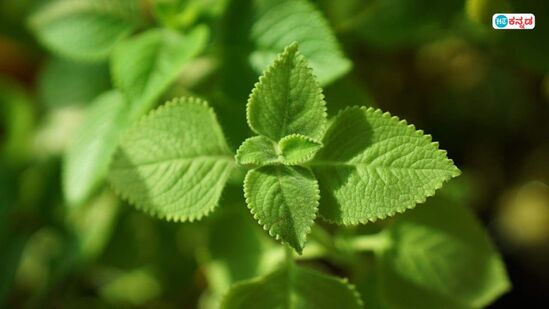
(177, 162)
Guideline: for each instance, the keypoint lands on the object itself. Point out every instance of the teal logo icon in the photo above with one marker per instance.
(501, 21)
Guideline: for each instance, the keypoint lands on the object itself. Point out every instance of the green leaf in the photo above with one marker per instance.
(296, 149)
(173, 163)
(287, 99)
(284, 201)
(280, 23)
(144, 66)
(64, 83)
(83, 29)
(86, 162)
(291, 150)
(293, 287)
(257, 150)
(441, 258)
(374, 165)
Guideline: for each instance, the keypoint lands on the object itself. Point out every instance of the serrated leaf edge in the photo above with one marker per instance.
(149, 211)
(263, 278)
(345, 281)
(456, 172)
(278, 161)
(307, 158)
(270, 231)
(252, 162)
(279, 58)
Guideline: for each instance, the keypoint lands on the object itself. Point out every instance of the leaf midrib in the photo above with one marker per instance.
(184, 159)
(328, 163)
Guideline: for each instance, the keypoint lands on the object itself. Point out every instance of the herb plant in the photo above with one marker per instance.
(361, 166)
(338, 198)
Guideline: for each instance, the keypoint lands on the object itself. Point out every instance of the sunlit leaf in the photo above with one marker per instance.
(374, 165)
(173, 163)
(292, 287)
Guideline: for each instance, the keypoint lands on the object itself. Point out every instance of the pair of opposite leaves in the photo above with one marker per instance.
(365, 164)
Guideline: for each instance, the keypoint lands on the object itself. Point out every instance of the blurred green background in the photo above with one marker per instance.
(483, 94)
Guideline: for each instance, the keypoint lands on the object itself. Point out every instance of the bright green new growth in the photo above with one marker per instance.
(83, 29)
(291, 150)
(287, 109)
(293, 287)
(174, 163)
(373, 166)
(297, 149)
(287, 99)
(257, 151)
(284, 201)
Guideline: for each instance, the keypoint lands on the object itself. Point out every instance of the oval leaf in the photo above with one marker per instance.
(284, 201)
(441, 258)
(174, 163)
(293, 287)
(287, 99)
(297, 149)
(257, 150)
(374, 165)
(291, 150)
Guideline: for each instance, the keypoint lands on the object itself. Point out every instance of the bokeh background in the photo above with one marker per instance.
(483, 94)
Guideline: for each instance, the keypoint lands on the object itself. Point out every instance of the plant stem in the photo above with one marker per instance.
(313, 250)
(330, 248)
(289, 256)
(373, 242)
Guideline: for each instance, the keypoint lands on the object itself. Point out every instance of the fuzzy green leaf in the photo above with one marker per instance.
(287, 99)
(257, 150)
(284, 201)
(174, 163)
(144, 66)
(374, 165)
(85, 164)
(280, 23)
(84, 29)
(296, 149)
(292, 287)
(291, 150)
(441, 257)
